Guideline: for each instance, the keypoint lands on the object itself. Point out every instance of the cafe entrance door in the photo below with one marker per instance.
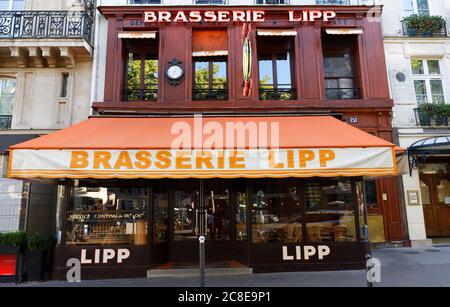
(219, 206)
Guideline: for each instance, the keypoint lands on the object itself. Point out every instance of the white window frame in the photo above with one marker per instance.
(415, 8)
(427, 77)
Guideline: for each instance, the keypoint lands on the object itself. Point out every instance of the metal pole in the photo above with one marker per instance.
(366, 236)
(202, 240)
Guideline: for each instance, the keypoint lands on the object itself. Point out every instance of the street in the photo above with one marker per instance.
(403, 267)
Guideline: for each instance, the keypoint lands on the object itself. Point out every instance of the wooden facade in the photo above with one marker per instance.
(371, 112)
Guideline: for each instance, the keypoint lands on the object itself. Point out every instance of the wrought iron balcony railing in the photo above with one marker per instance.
(343, 93)
(425, 119)
(269, 92)
(201, 93)
(5, 122)
(346, 2)
(138, 94)
(414, 32)
(46, 24)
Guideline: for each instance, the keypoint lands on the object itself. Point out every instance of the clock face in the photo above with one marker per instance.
(175, 72)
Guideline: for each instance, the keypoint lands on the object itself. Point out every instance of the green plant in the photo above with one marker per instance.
(39, 243)
(12, 239)
(425, 24)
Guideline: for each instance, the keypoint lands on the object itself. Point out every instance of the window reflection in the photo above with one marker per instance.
(277, 214)
(425, 191)
(330, 212)
(107, 215)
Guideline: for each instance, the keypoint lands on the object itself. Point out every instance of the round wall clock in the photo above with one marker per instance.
(175, 72)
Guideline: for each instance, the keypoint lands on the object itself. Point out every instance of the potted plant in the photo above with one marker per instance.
(36, 255)
(424, 25)
(10, 249)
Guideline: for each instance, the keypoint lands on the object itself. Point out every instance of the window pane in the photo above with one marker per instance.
(219, 75)
(134, 71)
(437, 91)
(201, 74)
(184, 214)
(4, 5)
(371, 193)
(7, 93)
(265, 73)
(408, 7)
(150, 72)
(417, 67)
(241, 216)
(284, 70)
(444, 191)
(18, 5)
(433, 67)
(339, 65)
(425, 191)
(276, 213)
(330, 212)
(421, 91)
(423, 7)
(107, 215)
(161, 207)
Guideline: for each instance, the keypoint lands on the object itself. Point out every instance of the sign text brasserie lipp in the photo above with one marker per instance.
(233, 16)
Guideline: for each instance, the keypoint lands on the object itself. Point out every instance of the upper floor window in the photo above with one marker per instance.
(272, 1)
(7, 93)
(144, 1)
(419, 7)
(275, 62)
(341, 77)
(142, 70)
(210, 64)
(12, 5)
(428, 81)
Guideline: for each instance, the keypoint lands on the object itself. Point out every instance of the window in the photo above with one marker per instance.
(12, 5)
(428, 81)
(419, 7)
(210, 78)
(210, 63)
(341, 80)
(275, 61)
(65, 85)
(107, 215)
(142, 70)
(330, 212)
(7, 94)
(276, 213)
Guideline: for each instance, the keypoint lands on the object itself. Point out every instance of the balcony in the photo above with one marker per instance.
(343, 93)
(202, 93)
(139, 94)
(418, 26)
(282, 92)
(426, 117)
(5, 122)
(46, 25)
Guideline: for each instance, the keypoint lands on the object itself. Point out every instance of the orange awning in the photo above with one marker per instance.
(223, 147)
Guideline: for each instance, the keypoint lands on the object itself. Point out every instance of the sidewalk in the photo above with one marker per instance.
(428, 267)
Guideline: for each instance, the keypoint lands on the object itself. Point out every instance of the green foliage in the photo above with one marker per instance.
(425, 24)
(437, 111)
(39, 243)
(12, 239)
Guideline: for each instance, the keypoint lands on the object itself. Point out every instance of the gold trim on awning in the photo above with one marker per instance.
(210, 53)
(276, 32)
(344, 31)
(137, 35)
